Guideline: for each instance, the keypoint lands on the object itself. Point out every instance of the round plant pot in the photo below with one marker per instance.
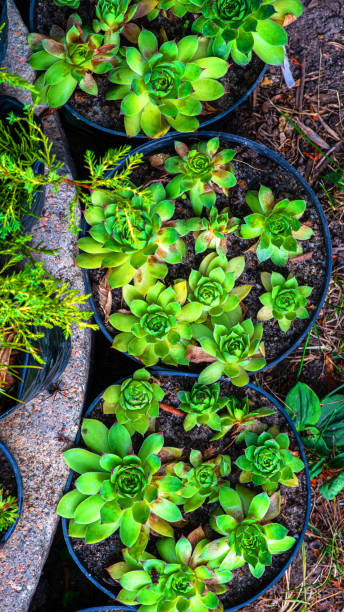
(108, 608)
(56, 351)
(11, 479)
(172, 429)
(4, 31)
(87, 125)
(271, 165)
(9, 104)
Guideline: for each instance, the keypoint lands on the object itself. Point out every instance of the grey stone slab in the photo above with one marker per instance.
(39, 432)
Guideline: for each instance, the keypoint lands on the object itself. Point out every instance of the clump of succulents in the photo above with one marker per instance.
(165, 87)
(249, 536)
(210, 232)
(8, 509)
(284, 301)
(114, 17)
(237, 413)
(69, 60)
(130, 236)
(242, 26)
(267, 461)
(117, 489)
(202, 403)
(178, 580)
(202, 480)
(157, 327)
(134, 402)
(201, 171)
(276, 224)
(213, 284)
(236, 351)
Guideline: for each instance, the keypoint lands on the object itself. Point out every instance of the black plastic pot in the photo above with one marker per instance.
(81, 123)
(4, 31)
(56, 351)
(294, 550)
(9, 104)
(232, 140)
(7, 455)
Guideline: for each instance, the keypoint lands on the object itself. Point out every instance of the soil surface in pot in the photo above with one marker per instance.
(97, 557)
(252, 170)
(7, 480)
(106, 113)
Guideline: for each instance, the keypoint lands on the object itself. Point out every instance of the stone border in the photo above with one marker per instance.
(39, 432)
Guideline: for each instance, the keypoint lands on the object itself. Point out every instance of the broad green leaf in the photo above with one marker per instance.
(303, 406)
(95, 435)
(69, 502)
(81, 460)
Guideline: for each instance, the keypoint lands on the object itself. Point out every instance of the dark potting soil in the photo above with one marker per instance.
(106, 113)
(7, 480)
(252, 170)
(96, 557)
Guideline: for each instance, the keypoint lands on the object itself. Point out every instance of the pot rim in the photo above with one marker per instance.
(20, 491)
(275, 157)
(69, 110)
(297, 545)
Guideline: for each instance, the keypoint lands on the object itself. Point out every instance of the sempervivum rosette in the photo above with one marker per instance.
(284, 301)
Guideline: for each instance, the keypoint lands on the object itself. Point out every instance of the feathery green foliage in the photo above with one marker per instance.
(134, 402)
(200, 171)
(31, 301)
(284, 301)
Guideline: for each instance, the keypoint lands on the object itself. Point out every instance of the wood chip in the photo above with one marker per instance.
(158, 160)
(105, 297)
(301, 258)
(320, 142)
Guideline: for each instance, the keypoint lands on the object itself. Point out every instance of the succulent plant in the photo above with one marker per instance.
(237, 413)
(202, 480)
(211, 232)
(249, 536)
(178, 580)
(178, 7)
(165, 87)
(118, 489)
(242, 26)
(276, 224)
(115, 16)
(8, 509)
(134, 402)
(236, 351)
(267, 460)
(68, 60)
(129, 234)
(73, 4)
(202, 404)
(201, 171)
(157, 327)
(284, 301)
(213, 284)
